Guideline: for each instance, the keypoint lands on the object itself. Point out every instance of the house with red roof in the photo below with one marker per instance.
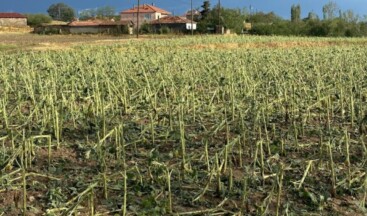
(147, 13)
(13, 19)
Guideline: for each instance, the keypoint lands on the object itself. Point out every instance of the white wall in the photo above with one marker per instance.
(188, 26)
(13, 22)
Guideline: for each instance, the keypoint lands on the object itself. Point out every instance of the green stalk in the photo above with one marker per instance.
(24, 175)
(240, 151)
(183, 143)
(105, 184)
(274, 131)
(233, 100)
(24, 181)
(244, 195)
(219, 171)
(124, 211)
(328, 116)
(6, 121)
(169, 191)
(347, 138)
(225, 159)
(262, 161)
(352, 110)
(230, 187)
(266, 133)
(342, 103)
(333, 177)
(104, 126)
(118, 143)
(91, 202)
(207, 156)
(152, 128)
(295, 132)
(49, 150)
(57, 129)
(280, 187)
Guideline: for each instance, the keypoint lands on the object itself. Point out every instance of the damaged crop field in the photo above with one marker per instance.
(189, 126)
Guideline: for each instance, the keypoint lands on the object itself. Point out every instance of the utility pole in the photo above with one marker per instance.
(192, 20)
(219, 26)
(137, 20)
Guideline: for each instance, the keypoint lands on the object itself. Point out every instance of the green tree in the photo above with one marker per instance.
(330, 10)
(205, 21)
(87, 14)
(37, 19)
(106, 12)
(261, 17)
(349, 16)
(206, 10)
(61, 11)
(230, 19)
(296, 13)
(312, 16)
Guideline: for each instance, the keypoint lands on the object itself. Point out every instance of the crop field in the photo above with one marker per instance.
(190, 126)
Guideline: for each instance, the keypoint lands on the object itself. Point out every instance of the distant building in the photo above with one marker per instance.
(13, 19)
(246, 27)
(147, 13)
(173, 23)
(100, 27)
(88, 27)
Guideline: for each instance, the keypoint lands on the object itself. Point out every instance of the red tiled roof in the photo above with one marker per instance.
(98, 23)
(11, 15)
(109, 23)
(83, 23)
(146, 8)
(171, 20)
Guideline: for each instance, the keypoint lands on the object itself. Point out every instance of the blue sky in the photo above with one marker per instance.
(178, 7)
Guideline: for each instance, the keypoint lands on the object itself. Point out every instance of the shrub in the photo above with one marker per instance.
(38, 19)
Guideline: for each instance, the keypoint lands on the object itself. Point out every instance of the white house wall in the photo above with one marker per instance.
(17, 22)
(143, 17)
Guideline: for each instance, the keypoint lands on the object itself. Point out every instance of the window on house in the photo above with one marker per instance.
(147, 16)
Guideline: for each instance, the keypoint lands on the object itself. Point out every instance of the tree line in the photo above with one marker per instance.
(65, 13)
(334, 23)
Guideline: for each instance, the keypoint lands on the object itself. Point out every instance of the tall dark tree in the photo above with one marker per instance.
(296, 13)
(61, 11)
(206, 9)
